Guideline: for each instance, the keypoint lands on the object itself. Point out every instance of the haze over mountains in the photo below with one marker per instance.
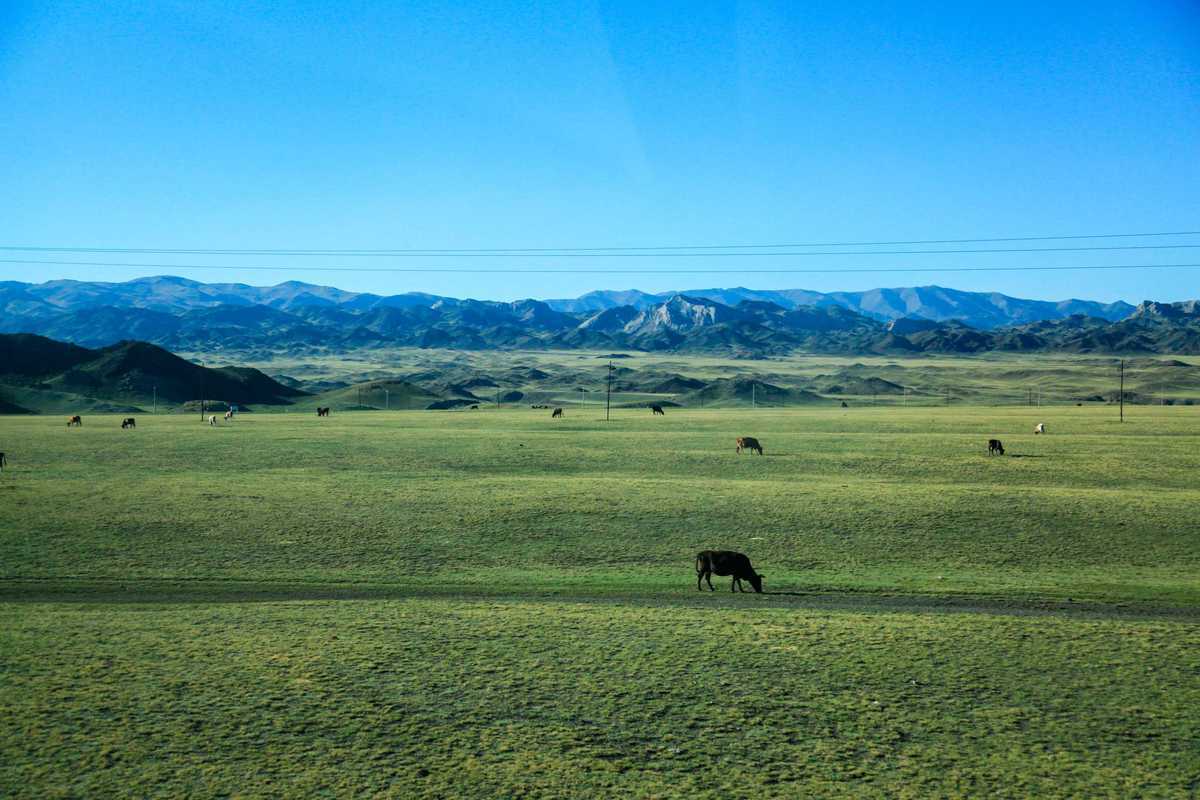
(187, 315)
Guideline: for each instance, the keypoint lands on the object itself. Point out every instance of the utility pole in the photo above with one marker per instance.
(608, 394)
(387, 400)
(1122, 390)
(753, 395)
(155, 400)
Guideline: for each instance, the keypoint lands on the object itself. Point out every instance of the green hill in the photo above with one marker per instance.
(43, 375)
(745, 391)
(380, 394)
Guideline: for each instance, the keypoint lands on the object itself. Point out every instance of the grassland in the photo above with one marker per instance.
(491, 604)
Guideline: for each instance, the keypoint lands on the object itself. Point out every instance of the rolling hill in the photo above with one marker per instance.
(43, 374)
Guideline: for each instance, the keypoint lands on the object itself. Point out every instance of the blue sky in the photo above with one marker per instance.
(419, 125)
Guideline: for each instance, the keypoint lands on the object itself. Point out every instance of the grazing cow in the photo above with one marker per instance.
(474, 408)
(747, 443)
(844, 404)
(1040, 428)
(3, 462)
(229, 415)
(323, 412)
(657, 409)
(128, 422)
(994, 447)
(212, 419)
(726, 562)
(556, 413)
(76, 420)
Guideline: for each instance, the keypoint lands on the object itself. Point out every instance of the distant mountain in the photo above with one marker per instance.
(128, 373)
(982, 310)
(188, 316)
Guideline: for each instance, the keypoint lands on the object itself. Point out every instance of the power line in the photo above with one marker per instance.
(578, 254)
(554, 250)
(603, 271)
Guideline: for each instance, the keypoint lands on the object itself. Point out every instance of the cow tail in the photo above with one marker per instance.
(699, 565)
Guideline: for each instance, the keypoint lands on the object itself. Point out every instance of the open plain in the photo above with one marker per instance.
(494, 603)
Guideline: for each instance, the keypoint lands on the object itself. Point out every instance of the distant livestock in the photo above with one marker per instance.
(229, 415)
(3, 462)
(323, 412)
(556, 413)
(212, 419)
(994, 447)
(1040, 428)
(76, 420)
(747, 443)
(128, 422)
(723, 563)
(657, 409)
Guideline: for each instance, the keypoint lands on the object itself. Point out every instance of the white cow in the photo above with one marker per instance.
(229, 415)
(212, 419)
(1040, 428)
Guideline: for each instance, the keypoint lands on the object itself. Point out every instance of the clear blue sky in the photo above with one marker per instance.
(464, 125)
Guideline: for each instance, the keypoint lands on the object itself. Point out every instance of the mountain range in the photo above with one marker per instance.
(190, 316)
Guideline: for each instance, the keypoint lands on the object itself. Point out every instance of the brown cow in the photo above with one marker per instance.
(76, 420)
(748, 443)
(726, 562)
(556, 413)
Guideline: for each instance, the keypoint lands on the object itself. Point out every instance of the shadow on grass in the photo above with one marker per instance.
(134, 593)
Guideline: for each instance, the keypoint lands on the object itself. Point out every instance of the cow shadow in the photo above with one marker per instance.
(1024, 455)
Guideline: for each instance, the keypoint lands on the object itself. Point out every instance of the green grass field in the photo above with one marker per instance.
(494, 604)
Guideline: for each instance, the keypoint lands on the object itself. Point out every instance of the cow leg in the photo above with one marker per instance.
(708, 580)
(699, 578)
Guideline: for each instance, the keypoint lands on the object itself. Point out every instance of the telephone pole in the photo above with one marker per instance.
(387, 400)
(608, 394)
(753, 395)
(155, 400)
(1122, 390)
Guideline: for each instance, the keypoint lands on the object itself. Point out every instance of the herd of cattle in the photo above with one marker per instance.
(743, 443)
(723, 563)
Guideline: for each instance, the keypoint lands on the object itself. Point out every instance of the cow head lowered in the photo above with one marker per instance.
(726, 562)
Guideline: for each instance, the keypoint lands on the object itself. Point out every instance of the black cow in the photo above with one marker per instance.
(3, 461)
(128, 422)
(556, 413)
(657, 409)
(994, 447)
(323, 412)
(726, 562)
(748, 443)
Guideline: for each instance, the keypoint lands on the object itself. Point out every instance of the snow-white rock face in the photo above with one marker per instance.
(610, 320)
(679, 314)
